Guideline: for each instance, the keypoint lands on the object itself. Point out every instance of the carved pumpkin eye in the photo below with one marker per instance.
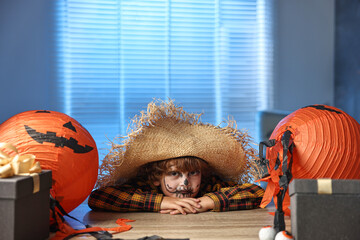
(325, 108)
(69, 126)
(43, 111)
(61, 144)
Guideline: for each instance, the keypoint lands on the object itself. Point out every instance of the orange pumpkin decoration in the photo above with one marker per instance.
(313, 142)
(60, 144)
(323, 143)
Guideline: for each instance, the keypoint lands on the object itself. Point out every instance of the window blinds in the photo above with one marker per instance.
(115, 56)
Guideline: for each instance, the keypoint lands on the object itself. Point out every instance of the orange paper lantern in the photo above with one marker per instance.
(325, 144)
(60, 144)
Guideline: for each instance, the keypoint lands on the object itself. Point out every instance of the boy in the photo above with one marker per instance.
(176, 165)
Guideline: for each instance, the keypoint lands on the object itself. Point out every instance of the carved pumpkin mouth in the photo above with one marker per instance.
(51, 137)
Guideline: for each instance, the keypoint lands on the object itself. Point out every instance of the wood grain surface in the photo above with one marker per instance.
(210, 225)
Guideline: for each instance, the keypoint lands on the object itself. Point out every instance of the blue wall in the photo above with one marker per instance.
(304, 53)
(347, 57)
(304, 66)
(26, 56)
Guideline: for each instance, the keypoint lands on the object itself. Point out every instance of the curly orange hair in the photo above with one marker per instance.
(154, 170)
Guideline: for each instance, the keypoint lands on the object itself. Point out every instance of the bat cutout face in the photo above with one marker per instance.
(51, 137)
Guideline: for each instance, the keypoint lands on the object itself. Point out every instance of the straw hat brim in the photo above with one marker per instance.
(166, 131)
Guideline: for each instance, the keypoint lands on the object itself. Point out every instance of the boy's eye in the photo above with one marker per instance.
(173, 173)
(194, 173)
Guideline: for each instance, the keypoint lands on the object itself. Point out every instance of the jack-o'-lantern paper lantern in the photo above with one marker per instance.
(323, 142)
(60, 144)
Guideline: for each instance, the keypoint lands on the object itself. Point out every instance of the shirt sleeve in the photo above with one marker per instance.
(239, 197)
(124, 199)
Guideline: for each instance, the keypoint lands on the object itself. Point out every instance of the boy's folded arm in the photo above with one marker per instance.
(239, 197)
(124, 199)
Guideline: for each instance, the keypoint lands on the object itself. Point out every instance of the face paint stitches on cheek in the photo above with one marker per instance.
(181, 184)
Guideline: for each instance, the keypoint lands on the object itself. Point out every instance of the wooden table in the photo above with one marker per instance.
(210, 225)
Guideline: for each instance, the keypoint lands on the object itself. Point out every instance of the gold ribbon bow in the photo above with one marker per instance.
(20, 164)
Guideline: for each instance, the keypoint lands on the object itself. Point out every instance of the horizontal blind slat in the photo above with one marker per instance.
(116, 56)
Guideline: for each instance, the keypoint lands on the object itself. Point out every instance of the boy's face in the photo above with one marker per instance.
(175, 183)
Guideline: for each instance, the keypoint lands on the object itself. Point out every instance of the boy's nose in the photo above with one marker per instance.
(186, 182)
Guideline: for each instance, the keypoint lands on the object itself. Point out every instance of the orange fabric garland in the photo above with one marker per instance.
(66, 230)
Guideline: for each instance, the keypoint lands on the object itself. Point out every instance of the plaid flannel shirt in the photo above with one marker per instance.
(140, 195)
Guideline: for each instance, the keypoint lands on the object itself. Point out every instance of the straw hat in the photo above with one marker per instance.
(166, 131)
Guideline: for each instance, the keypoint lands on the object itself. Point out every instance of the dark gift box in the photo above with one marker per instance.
(24, 214)
(325, 209)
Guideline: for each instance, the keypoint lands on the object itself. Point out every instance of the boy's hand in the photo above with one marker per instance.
(179, 205)
(204, 204)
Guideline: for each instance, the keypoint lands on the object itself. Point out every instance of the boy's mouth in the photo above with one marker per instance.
(180, 192)
(188, 191)
(184, 193)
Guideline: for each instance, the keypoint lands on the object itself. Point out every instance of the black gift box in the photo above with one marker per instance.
(24, 214)
(325, 209)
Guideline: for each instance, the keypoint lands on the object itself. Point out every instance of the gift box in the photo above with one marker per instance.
(24, 206)
(325, 209)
